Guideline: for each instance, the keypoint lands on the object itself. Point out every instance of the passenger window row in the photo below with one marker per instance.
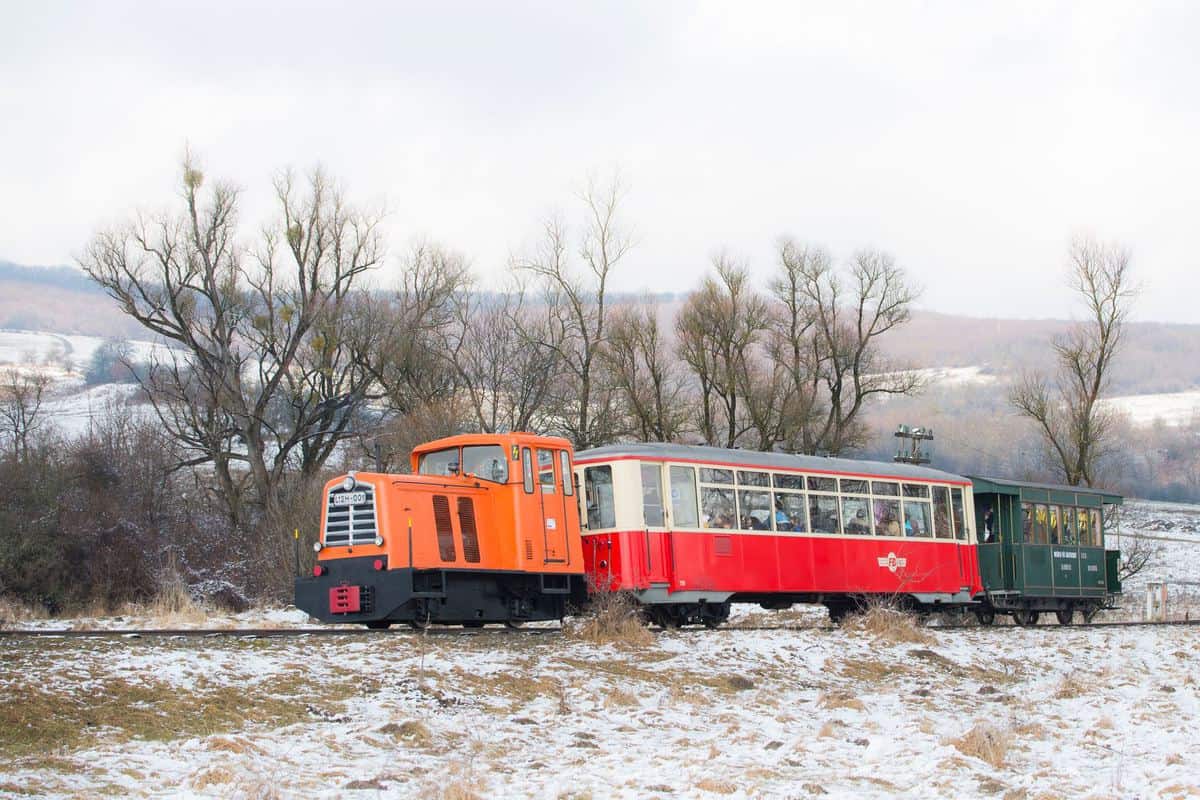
(1062, 525)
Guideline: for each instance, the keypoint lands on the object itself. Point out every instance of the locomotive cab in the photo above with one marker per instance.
(484, 530)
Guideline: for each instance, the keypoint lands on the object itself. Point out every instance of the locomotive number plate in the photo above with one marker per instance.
(349, 498)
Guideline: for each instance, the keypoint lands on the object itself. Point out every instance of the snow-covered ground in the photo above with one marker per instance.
(789, 713)
(42, 347)
(1176, 408)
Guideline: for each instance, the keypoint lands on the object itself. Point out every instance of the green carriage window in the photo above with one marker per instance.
(1097, 533)
(1067, 519)
(1083, 524)
(1040, 520)
(1055, 529)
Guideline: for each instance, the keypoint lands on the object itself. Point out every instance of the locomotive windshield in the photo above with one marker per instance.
(485, 461)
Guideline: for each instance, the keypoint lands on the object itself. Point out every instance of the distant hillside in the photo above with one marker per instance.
(59, 299)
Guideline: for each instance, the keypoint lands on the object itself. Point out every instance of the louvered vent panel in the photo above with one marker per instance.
(445, 532)
(466, 524)
(529, 550)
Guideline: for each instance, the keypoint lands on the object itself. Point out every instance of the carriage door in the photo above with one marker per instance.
(655, 540)
(554, 517)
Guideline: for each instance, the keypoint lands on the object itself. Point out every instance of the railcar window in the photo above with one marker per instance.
(755, 509)
(795, 482)
(598, 492)
(486, 461)
(711, 475)
(918, 518)
(527, 469)
(822, 484)
(941, 513)
(856, 517)
(652, 501)
(887, 517)
(823, 514)
(1055, 529)
(854, 486)
(753, 478)
(717, 507)
(1085, 529)
(1026, 523)
(683, 497)
(1067, 518)
(564, 470)
(439, 462)
(790, 512)
(960, 519)
(916, 490)
(1097, 534)
(885, 488)
(1039, 524)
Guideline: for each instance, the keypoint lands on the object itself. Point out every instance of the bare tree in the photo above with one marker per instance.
(21, 396)
(845, 319)
(647, 378)
(1075, 426)
(258, 332)
(577, 301)
(506, 353)
(717, 329)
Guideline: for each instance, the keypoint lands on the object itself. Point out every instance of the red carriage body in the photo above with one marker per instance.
(691, 530)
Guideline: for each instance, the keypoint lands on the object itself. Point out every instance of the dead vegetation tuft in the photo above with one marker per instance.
(986, 741)
(715, 786)
(412, 731)
(611, 618)
(840, 699)
(13, 612)
(886, 623)
(1070, 687)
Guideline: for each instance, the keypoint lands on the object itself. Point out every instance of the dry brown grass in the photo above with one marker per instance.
(1070, 687)
(885, 623)
(611, 618)
(13, 612)
(412, 731)
(459, 790)
(715, 785)
(985, 741)
(840, 699)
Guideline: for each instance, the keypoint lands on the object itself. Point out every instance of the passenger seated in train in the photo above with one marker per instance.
(858, 524)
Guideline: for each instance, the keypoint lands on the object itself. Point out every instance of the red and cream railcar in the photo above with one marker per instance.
(691, 530)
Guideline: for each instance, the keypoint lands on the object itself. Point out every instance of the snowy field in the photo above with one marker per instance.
(1176, 408)
(42, 347)
(798, 712)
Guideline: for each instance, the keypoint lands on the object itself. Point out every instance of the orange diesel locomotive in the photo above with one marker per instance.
(485, 530)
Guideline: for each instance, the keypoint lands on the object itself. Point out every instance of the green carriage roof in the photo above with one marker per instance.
(1011, 487)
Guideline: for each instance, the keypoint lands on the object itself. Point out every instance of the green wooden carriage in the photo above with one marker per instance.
(1041, 549)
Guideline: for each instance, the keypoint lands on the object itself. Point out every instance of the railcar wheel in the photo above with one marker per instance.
(379, 624)
(419, 624)
(1065, 615)
(837, 613)
(514, 623)
(985, 616)
(1090, 613)
(1025, 617)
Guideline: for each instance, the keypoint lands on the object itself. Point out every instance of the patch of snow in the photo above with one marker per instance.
(1177, 408)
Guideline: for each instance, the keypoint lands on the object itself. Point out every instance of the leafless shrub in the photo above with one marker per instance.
(887, 623)
(986, 741)
(611, 618)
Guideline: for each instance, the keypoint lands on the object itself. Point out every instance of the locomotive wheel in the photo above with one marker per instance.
(985, 615)
(1065, 615)
(379, 624)
(1025, 618)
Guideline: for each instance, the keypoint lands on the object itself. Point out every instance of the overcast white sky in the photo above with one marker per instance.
(970, 140)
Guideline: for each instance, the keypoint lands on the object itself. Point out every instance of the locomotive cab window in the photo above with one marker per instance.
(527, 469)
(598, 494)
(440, 462)
(546, 471)
(486, 462)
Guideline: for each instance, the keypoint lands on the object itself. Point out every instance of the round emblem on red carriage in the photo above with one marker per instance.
(893, 562)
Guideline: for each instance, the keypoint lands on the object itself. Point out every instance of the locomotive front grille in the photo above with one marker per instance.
(350, 516)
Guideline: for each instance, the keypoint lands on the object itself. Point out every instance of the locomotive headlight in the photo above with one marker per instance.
(349, 483)
(316, 547)
(379, 541)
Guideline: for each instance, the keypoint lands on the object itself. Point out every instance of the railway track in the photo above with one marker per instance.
(285, 633)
